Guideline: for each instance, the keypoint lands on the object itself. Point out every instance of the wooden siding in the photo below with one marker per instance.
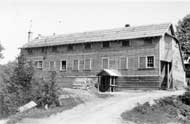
(96, 53)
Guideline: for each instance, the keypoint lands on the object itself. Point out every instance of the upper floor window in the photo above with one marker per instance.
(70, 47)
(30, 51)
(87, 45)
(106, 44)
(44, 50)
(148, 41)
(54, 49)
(39, 64)
(75, 64)
(146, 62)
(125, 43)
(63, 65)
(105, 63)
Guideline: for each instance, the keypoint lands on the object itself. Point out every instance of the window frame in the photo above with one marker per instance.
(70, 47)
(125, 63)
(146, 62)
(87, 48)
(90, 64)
(106, 42)
(153, 61)
(37, 65)
(54, 65)
(60, 68)
(77, 65)
(108, 62)
(122, 43)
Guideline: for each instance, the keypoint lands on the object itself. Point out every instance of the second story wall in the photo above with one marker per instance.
(80, 61)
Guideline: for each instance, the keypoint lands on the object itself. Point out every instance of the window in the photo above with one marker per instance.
(105, 44)
(54, 49)
(112, 63)
(87, 64)
(63, 65)
(75, 65)
(39, 64)
(30, 51)
(125, 43)
(148, 41)
(142, 62)
(44, 50)
(70, 47)
(51, 65)
(105, 63)
(87, 46)
(123, 63)
(150, 61)
(81, 65)
(146, 62)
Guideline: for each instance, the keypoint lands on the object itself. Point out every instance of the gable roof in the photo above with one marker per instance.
(109, 72)
(101, 35)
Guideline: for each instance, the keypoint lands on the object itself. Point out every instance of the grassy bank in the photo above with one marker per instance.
(73, 98)
(166, 110)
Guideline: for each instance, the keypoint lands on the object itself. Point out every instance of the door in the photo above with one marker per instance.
(104, 83)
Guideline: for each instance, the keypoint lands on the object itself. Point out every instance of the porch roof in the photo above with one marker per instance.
(109, 72)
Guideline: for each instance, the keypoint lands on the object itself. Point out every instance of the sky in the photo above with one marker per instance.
(47, 17)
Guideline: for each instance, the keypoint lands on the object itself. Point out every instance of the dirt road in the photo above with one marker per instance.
(103, 111)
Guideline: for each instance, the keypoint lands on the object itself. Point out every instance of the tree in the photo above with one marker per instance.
(1, 49)
(17, 89)
(183, 33)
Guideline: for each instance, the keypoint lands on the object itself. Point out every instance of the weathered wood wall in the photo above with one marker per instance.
(96, 53)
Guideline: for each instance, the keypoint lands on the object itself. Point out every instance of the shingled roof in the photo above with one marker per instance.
(101, 35)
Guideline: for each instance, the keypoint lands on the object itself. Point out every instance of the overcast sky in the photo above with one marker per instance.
(67, 16)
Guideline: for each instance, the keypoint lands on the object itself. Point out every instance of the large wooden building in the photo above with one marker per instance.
(124, 58)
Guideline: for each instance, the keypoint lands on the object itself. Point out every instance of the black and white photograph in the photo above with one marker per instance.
(95, 62)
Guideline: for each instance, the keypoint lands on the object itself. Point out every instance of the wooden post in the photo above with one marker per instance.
(168, 76)
(110, 83)
(98, 83)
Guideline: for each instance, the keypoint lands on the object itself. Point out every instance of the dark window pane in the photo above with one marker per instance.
(87, 46)
(150, 61)
(125, 43)
(105, 44)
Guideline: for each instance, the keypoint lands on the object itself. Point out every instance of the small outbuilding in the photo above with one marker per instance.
(107, 80)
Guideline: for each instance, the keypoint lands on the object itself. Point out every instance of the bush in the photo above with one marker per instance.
(185, 98)
(46, 92)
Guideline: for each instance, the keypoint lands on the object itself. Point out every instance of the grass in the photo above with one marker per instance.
(169, 109)
(41, 113)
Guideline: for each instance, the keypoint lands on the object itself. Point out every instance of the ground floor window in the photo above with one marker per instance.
(146, 62)
(150, 61)
(123, 63)
(75, 65)
(87, 64)
(39, 64)
(52, 65)
(105, 63)
(63, 65)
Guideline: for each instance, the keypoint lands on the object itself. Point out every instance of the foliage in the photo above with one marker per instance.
(183, 33)
(46, 92)
(185, 98)
(20, 86)
(1, 49)
(17, 85)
